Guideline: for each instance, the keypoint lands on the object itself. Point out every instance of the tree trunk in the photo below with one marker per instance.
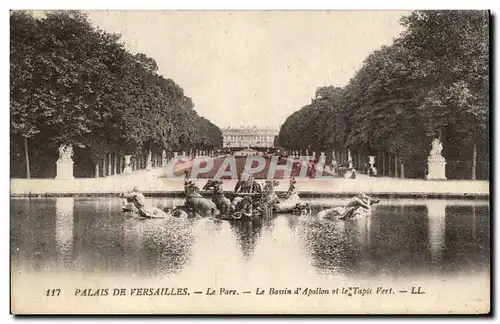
(396, 166)
(402, 170)
(114, 163)
(474, 161)
(120, 163)
(104, 166)
(27, 158)
(389, 164)
(96, 170)
(109, 164)
(383, 164)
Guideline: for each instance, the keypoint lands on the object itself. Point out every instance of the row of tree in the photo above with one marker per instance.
(432, 81)
(72, 83)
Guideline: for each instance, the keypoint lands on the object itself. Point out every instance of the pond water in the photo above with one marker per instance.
(402, 238)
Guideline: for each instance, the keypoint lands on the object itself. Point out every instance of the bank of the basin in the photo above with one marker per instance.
(158, 186)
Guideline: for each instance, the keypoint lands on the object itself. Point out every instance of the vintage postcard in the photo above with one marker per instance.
(249, 162)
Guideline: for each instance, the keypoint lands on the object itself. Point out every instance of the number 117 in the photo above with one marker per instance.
(52, 292)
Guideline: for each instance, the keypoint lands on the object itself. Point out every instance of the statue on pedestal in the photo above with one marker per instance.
(64, 164)
(127, 169)
(437, 147)
(436, 164)
(333, 164)
(149, 162)
(372, 170)
(349, 159)
(163, 158)
(65, 153)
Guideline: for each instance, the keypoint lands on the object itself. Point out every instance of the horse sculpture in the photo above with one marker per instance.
(221, 201)
(241, 208)
(198, 203)
(349, 211)
(268, 198)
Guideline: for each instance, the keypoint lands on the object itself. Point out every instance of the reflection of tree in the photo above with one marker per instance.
(248, 234)
(98, 235)
(466, 238)
(32, 241)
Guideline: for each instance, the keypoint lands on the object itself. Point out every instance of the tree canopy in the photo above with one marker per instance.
(433, 80)
(72, 83)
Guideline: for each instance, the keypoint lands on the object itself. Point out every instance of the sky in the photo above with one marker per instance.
(253, 67)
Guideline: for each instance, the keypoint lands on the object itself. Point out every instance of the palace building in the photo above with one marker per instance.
(249, 137)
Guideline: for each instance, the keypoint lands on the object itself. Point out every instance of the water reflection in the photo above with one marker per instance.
(400, 238)
(64, 227)
(329, 244)
(436, 213)
(157, 246)
(247, 234)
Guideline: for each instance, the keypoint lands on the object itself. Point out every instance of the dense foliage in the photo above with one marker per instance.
(74, 84)
(433, 81)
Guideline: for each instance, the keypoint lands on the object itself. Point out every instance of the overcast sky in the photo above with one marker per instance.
(253, 67)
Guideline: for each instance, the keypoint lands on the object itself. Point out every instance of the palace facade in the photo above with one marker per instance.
(249, 137)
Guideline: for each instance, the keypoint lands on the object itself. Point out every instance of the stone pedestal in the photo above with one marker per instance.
(149, 162)
(372, 161)
(127, 169)
(436, 168)
(64, 170)
(64, 164)
(164, 158)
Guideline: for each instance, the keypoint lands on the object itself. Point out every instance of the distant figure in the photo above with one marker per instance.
(291, 188)
(351, 173)
(249, 186)
(311, 169)
(371, 170)
(333, 166)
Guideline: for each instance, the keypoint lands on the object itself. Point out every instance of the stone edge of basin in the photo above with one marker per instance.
(307, 194)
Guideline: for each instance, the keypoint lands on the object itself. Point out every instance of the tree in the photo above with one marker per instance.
(453, 48)
(75, 84)
(432, 80)
(23, 113)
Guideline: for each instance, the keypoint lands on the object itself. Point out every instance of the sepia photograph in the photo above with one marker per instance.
(250, 162)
